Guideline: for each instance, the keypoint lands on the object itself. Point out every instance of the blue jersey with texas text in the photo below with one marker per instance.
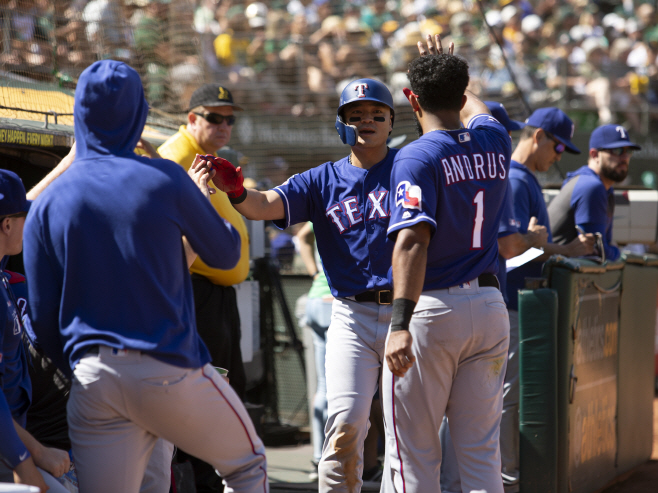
(349, 210)
(456, 182)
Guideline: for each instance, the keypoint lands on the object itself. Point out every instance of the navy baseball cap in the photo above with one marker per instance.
(499, 112)
(12, 194)
(611, 137)
(557, 123)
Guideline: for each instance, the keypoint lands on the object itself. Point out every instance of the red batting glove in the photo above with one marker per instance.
(227, 178)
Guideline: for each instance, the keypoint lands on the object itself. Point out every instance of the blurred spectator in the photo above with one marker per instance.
(153, 50)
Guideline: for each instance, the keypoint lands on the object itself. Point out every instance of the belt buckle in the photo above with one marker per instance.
(379, 297)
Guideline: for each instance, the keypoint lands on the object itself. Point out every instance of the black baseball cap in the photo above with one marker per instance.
(212, 95)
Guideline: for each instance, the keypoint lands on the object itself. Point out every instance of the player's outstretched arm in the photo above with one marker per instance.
(409, 263)
(261, 206)
(252, 204)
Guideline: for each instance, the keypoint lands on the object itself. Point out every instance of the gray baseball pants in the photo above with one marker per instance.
(460, 340)
(121, 402)
(509, 423)
(355, 350)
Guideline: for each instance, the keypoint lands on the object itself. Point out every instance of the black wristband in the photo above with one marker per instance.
(403, 309)
(240, 199)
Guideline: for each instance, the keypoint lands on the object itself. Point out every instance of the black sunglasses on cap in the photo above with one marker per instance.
(217, 119)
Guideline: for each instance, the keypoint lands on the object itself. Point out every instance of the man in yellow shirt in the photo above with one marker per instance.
(210, 120)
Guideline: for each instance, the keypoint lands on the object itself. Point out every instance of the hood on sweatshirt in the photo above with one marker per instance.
(109, 110)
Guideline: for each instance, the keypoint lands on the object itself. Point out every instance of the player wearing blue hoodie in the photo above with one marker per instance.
(106, 264)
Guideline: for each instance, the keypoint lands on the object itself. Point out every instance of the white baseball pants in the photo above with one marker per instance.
(460, 340)
(122, 401)
(355, 350)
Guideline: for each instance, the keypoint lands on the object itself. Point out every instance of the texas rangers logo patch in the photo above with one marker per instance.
(408, 196)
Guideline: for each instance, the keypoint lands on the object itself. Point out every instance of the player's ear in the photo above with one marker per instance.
(538, 136)
(464, 99)
(593, 153)
(191, 117)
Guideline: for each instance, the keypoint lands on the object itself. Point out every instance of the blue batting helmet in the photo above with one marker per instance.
(361, 90)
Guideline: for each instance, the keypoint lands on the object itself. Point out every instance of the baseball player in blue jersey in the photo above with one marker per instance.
(586, 201)
(446, 351)
(347, 201)
(510, 244)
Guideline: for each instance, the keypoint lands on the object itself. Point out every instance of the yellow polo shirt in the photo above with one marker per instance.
(181, 148)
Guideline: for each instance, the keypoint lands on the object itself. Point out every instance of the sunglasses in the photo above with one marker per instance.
(217, 119)
(618, 151)
(559, 146)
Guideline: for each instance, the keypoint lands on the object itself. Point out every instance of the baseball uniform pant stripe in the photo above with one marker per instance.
(244, 427)
(460, 340)
(354, 353)
(397, 442)
(122, 401)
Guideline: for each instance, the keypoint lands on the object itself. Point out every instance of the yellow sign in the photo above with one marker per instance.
(223, 93)
(11, 136)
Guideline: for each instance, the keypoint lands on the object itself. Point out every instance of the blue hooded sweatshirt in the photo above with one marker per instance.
(102, 245)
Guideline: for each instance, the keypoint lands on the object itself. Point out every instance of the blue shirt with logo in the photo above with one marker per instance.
(349, 208)
(456, 182)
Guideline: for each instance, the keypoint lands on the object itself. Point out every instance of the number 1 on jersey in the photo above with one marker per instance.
(478, 200)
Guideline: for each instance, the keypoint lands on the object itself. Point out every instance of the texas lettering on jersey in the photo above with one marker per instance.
(348, 213)
(487, 166)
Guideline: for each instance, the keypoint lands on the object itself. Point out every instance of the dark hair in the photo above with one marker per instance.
(439, 81)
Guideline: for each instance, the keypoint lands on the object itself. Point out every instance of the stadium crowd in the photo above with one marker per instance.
(295, 56)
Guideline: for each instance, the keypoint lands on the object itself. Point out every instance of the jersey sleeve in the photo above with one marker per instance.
(211, 236)
(295, 193)
(521, 200)
(508, 224)
(12, 449)
(590, 205)
(415, 196)
(488, 122)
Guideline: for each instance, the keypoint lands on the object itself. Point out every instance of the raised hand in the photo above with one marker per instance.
(201, 174)
(227, 178)
(434, 47)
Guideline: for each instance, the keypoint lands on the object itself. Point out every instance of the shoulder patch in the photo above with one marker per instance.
(408, 196)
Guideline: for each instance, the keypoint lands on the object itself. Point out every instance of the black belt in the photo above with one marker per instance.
(385, 296)
(381, 297)
(95, 349)
(488, 280)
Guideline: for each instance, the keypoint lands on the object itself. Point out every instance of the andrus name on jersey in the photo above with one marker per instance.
(488, 166)
(348, 212)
